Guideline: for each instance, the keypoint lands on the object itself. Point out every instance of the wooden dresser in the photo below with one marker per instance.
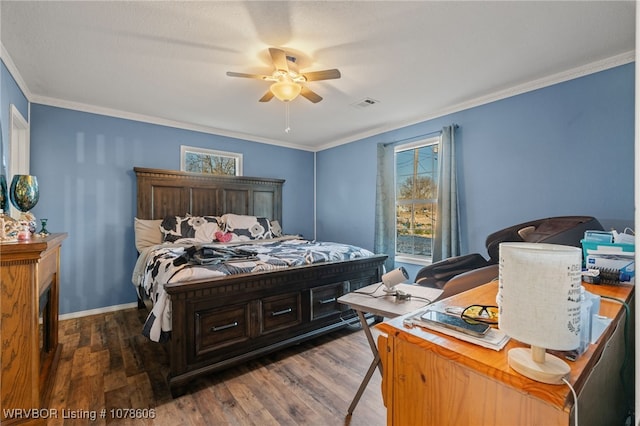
(29, 293)
(434, 379)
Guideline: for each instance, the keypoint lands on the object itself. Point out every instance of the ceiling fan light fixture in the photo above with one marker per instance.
(287, 81)
(285, 91)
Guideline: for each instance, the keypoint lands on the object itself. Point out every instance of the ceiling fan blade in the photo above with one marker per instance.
(310, 94)
(279, 58)
(266, 97)
(321, 75)
(241, 74)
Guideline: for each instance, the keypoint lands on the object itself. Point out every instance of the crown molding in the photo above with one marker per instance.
(8, 62)
(591, 68)
(93, 109)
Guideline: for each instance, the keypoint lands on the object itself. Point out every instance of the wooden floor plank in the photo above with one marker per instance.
(213, 413)
(106, 364)
(254, 405)
(276, 394)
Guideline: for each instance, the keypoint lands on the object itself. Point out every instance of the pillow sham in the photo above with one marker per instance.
(147, 233)
(200, 228)
(245, 228)
(276, 229)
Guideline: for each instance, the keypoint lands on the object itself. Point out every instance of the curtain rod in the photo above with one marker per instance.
(455, 126)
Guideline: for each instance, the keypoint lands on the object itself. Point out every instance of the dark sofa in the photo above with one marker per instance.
(461, 273)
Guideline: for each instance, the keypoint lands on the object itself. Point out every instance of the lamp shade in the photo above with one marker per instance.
(539, 301)
(285, 90)
(24, 192)
(539, 294)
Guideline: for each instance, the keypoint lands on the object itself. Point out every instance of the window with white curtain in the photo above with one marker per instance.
(416, 193)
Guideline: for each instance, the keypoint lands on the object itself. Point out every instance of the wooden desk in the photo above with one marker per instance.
(373, 300)
(432, 378)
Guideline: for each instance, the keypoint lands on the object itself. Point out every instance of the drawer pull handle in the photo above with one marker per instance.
(282, 312)
(325, 301)
(224, 327)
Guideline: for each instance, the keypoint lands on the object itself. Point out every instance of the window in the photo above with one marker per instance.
(200, 160)
(416, 171)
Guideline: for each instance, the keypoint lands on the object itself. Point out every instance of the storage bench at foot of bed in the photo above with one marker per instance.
(224, 322)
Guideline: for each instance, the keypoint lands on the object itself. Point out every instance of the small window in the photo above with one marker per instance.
(416, 171)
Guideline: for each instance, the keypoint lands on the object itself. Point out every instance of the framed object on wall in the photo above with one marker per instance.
(201, 160)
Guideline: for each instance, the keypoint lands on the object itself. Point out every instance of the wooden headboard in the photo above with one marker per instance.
(172, 193)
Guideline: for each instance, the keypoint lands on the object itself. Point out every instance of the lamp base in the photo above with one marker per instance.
(547, 369)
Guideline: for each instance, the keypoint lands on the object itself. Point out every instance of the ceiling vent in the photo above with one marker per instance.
(365, 103)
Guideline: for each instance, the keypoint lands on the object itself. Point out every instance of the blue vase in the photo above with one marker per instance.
(24, 192)
(4, 195)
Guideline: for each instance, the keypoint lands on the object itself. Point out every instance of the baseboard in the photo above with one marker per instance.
(97, 311)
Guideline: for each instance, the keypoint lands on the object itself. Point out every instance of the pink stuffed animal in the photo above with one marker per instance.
(223, 237)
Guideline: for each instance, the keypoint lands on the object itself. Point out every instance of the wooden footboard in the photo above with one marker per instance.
(224, 322)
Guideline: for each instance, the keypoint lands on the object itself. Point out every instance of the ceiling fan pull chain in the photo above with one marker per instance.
(287, 129)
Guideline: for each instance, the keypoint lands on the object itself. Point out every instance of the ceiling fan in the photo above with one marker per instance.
(288, 82)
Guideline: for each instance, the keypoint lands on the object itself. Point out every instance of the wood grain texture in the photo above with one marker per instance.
(207, 303)
(107, 364)
(441, 371)
(19, 349)
(28, 269)
(169, 192)
(494, 363)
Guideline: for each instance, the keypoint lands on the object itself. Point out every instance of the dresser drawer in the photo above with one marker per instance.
(221, 327)
(324, 300)
(280, 312)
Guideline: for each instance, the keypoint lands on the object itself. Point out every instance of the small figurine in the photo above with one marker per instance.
(24, 234)
(10, 228)
(43, 232)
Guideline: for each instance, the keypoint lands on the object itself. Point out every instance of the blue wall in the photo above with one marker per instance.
(84, 167)
(562, 150)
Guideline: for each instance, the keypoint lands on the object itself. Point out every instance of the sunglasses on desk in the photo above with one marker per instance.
(485, 314)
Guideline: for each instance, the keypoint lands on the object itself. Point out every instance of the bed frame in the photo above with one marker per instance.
(225, 321)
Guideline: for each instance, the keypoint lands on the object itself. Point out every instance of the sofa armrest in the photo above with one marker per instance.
(469, 280)
(437, 274)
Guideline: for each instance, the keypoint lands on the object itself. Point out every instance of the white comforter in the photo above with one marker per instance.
(174, 262)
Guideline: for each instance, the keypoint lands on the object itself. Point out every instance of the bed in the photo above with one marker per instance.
(256, 293)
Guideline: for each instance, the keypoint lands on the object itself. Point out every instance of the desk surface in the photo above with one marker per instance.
(374, 300)
(495, 363)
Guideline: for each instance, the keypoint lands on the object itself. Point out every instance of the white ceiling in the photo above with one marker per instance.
(165, 62)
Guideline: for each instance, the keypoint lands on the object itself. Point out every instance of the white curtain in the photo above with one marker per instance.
(447, 233)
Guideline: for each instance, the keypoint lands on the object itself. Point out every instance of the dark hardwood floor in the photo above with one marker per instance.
(106, 364)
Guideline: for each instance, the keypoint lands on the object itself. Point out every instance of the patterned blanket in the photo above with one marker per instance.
(172, 263)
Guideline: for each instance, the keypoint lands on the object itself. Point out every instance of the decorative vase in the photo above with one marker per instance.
(44, 232)
(24, 195)
(4, 195)
(24, 192)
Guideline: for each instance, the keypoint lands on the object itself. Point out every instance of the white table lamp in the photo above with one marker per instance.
(539, 300)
